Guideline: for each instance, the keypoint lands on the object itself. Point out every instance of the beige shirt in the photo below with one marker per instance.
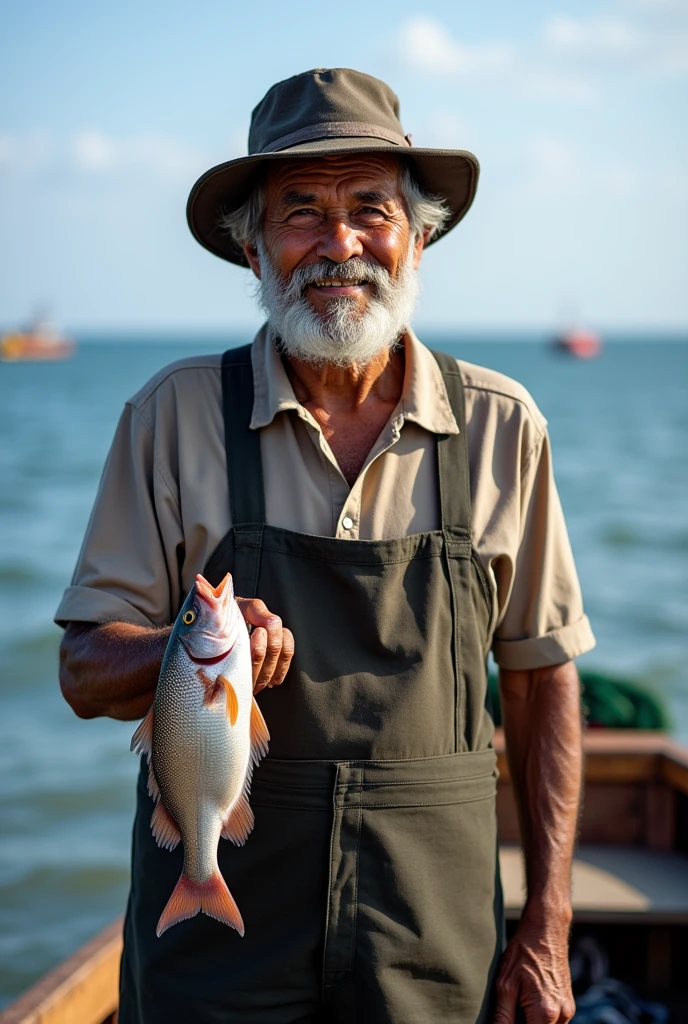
(163, 502)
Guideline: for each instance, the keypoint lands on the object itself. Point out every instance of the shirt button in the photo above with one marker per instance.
(347, 522)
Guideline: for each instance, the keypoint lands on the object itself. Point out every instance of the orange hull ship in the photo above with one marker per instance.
(580, 343)
(20, 346)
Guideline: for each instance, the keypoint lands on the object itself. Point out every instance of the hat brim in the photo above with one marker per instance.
(451, 174)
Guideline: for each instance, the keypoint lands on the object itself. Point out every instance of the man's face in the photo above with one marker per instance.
(336, 208)
(336, 259)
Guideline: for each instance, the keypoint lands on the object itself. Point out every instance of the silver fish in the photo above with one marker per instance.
(203, 737)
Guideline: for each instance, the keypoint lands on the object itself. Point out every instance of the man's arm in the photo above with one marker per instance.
(112, 668)
(542, 726)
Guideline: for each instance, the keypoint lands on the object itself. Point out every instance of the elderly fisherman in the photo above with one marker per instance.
(389, 516)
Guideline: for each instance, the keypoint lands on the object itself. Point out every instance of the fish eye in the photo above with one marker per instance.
(189, 617)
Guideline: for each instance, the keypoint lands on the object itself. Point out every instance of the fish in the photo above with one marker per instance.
(203, 737)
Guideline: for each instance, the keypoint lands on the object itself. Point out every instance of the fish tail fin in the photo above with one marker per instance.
(190, 898)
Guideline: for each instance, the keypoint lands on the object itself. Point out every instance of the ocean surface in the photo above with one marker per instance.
(619, 426)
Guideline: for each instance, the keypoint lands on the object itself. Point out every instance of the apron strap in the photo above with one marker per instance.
(243, 445)
(452, 453)
(244, 465)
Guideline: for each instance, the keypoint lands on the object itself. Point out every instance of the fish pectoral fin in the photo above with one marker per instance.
(164, 828)
(259, 734)
(142, 740)
(232, 699)
(238, 822)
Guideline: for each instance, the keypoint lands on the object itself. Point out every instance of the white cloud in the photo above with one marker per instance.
(164, 156)
(554, 168)
(427, 45)
(567, 60)
(446, 130)
(93, 152)
(597, 35)
(673, 182)
(544, 83)
(7, 149)
(654, 41)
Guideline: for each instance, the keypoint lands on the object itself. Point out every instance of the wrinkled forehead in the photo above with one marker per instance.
(342, 173)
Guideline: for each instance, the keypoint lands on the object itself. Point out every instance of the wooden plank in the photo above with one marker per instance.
(675, 772)
(82, 990)
(623, 755)
(625, 884)
(622, 767)
(660, 816)
(614, 813)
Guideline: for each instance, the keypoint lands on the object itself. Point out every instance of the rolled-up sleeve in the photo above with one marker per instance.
(543, 622)
(127, 569)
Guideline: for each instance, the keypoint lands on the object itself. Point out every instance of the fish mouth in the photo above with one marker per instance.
(210, 594)
(208, 661)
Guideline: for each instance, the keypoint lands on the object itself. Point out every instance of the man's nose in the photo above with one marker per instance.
(339, 241)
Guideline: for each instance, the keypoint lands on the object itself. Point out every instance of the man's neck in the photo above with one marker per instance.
(351, 404)
(346, 388)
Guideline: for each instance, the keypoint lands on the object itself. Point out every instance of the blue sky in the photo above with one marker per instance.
(576, 111)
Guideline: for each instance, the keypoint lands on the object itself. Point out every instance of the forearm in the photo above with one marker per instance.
(542, 725)
(111, 669)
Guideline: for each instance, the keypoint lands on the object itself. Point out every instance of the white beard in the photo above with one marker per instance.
(344, 335)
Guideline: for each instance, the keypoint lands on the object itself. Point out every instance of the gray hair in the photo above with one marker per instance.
(425, 211)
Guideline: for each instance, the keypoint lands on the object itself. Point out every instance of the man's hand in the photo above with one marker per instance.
(534, 974)
(272, 645)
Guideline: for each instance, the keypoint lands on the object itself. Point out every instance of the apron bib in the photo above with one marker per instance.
(370, 886)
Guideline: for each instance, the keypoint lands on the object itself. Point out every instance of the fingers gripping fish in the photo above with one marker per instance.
(203, 737)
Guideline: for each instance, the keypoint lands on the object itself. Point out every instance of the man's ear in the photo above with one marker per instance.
(251, 254)
(418, 247)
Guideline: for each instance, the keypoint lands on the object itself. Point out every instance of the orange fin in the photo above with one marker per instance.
(232, 699)
(189, 898)
(238, 822)
(153, 788)
(259, 734)
(164, 828)
(142, 740)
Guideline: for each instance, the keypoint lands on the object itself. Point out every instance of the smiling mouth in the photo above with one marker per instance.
(329, 283)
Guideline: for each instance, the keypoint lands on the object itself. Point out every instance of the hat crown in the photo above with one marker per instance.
(323, 98)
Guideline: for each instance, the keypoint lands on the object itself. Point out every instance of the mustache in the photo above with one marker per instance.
(354, 270)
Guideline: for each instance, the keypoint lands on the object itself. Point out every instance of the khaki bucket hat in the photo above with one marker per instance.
(321, 113)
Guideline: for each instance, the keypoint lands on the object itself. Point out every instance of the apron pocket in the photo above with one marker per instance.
(428, 902)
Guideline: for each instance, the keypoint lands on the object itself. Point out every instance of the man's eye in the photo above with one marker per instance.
(371, 212)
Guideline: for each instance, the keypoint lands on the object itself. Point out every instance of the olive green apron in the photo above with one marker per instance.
(369, 887)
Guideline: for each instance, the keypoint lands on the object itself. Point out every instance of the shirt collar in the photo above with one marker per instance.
(424, 398)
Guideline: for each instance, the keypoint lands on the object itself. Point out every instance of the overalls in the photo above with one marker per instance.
(369, 886)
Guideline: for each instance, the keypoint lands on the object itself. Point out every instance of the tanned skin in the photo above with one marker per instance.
(334, 209)
(542, 726)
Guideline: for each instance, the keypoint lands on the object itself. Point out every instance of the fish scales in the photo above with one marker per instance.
(202, 737)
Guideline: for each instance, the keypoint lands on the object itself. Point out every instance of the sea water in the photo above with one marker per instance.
(619, 428)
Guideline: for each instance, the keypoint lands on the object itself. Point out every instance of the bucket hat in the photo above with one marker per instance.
(322, 113)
